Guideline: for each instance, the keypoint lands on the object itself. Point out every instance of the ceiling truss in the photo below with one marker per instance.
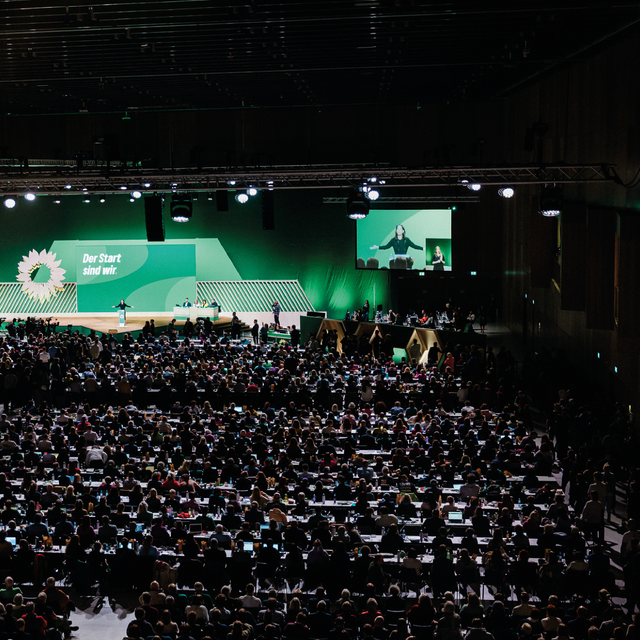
(66, 178)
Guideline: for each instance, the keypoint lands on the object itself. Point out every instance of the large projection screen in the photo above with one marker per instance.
(413, 239)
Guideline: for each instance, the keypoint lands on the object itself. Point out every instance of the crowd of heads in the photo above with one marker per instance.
(230, 435)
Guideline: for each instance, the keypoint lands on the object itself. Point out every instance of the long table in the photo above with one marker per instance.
(193, 313)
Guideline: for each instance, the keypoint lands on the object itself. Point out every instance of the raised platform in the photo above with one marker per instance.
(402, 336)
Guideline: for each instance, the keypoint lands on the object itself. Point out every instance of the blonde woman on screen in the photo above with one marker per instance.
(437, 260)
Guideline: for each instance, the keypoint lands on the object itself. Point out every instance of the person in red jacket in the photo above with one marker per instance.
(33, 623)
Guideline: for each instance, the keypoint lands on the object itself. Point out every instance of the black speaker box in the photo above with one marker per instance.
(222, 200)
(153, 218)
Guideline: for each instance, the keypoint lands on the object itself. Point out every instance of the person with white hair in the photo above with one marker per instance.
(96, 458)
(9, 592)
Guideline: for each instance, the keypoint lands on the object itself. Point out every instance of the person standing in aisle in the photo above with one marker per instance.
(276, 313)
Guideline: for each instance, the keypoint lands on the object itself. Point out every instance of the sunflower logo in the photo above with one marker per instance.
(31, 266)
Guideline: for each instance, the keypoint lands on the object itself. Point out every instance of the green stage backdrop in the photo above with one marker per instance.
(150, 277)
(312, 242)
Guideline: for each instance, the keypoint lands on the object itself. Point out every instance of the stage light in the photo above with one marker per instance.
(372, 194)
(209, 195)
(86, 198)
(373, 179)
(57, 201)
(357, 205)
(30, 196)
(181, 208)
(132, 200)
(550, 202)
(252, 191)
(146, 185)
(68, 186)
(231, 183)
(506, 192)
(10, 202)
(123, 188)
(473, 186)
(242, 197)
(103, 200)
(136, 194)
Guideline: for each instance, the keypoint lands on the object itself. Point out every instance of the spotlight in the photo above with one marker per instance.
(242, 197)
(10, 202)
(252, 191)
(181, 208)
(474, 186)
(123, 188)
(86, 198)
(373, 179)
(132, 200)
(146, 185)
(506, 192)
(357, 205)
(550, 201)
(136, 194)
(68, 186)
(373, 194)
(30, 196)
(231, 183)
(57, 201)
(103, 200)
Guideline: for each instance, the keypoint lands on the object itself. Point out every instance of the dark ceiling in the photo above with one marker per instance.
(167, 54)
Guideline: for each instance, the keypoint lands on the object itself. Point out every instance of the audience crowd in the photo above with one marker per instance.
(249, 491)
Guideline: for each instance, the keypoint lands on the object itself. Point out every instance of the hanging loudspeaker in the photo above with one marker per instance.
(153, 218)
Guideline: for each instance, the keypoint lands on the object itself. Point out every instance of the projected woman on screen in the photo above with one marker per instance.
(437, 260)
(400, 245)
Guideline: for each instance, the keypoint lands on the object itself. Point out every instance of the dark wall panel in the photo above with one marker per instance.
(629, 276)
(599, 260)
(542, 247)
(574, 253)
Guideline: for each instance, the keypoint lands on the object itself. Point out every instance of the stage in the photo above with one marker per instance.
(105, 324)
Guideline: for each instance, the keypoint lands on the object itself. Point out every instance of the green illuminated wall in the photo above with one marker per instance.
(312, 242)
